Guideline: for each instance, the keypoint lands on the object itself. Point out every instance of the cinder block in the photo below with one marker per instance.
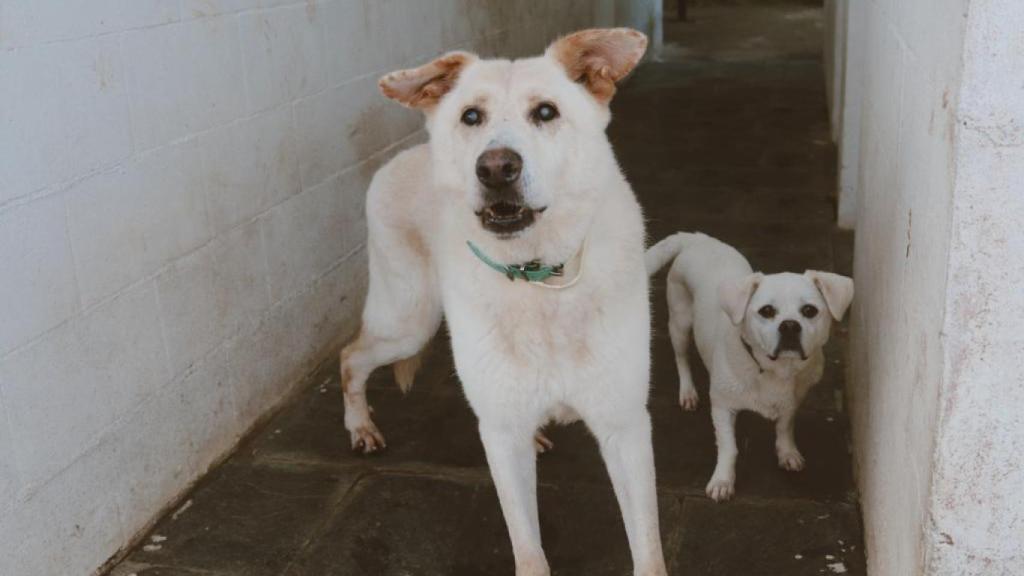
(284, 54)
(349, 29)
(10, 483)
(210, 294)
(310, 232)
(160, 446)
(340, 127)
(262, 363)
(329, 311)
(128, 223)
(31, 22)
(65, 116)
(62, 391)
(183, 78)
(248, 167)
(71, 525)
(205, 8)
(37, 284)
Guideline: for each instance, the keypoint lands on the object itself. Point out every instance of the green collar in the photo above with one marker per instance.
(532, 271)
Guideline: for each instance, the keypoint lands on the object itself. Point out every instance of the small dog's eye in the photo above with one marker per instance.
(767, 311)
(472, 117)
(809, 311)
(545, 112)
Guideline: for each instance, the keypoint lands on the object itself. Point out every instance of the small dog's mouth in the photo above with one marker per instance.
(788, 349)
(506, 217)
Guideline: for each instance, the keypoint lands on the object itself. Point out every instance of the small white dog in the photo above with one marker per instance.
(760, 337)
(516, 222)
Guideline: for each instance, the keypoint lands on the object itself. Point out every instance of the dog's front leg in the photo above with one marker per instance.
(513, 461)
(628, 454)
(723, 481)
(785, 444)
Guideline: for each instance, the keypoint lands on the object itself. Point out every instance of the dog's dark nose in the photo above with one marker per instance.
(789, 328)
(499, 167)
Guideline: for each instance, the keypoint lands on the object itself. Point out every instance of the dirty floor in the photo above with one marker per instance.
(727, 137)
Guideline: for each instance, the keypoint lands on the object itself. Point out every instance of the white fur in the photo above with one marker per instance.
(713, 292)
(525, 355)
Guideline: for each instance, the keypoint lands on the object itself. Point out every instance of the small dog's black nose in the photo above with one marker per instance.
(499, 167)
(789, 328)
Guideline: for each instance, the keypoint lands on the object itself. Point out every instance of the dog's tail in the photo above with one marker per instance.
(405, 371)
(666, 250)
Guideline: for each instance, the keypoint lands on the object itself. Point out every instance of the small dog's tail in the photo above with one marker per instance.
(666, 250)
(405, 371)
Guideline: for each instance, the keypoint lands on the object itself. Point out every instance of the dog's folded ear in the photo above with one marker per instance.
(422, 88)
(734, 295)
(837, 291)
(600, 57)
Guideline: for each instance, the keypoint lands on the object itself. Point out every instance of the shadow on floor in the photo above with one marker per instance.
(731, 142)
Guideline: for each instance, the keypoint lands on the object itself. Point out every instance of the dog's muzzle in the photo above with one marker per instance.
(504, 211)
(789, 340)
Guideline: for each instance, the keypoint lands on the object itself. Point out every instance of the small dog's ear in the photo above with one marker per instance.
(734, 295)
(837, 291)
(600, 57)
(422, 88)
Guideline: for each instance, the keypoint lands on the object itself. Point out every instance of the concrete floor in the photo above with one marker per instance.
(732, 144)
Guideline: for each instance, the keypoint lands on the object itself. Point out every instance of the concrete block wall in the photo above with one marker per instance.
(936, 382)
(181, 230)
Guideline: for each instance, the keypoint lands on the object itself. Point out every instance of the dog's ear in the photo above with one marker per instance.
(837, 291)
(422, 88)
(600, 57)
(734, 295)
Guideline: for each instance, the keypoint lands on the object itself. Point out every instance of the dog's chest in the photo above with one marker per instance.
(772, 396)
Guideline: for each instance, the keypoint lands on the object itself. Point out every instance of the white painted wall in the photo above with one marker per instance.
(181, 230)
(844, 76)
(936, 383)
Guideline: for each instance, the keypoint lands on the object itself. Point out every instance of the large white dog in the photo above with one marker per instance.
(516, 221)
(760, 337)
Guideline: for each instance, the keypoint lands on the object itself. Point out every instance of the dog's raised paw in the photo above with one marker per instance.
(720, 490)
(367, 440)
(792, 461)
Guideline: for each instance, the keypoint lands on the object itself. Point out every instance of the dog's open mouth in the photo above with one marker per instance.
(506, 217)
(794, 350)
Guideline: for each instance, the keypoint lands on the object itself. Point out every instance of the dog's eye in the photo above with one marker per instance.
(472, 117)
(809, 311)
(767, 311)
(544, 112)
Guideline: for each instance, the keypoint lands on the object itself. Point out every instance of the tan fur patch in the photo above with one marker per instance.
(424, 87)
(599, 58)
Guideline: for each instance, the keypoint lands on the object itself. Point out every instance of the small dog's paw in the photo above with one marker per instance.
(791, 460)
(542, 443)
(688, 399)
(536, 567)
(367, 439)
(720, 490)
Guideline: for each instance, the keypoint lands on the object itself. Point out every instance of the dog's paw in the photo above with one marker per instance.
(791, 460)
(533, 567)
(688, 399)
(542, 443)
(720, 490)
(367, 439)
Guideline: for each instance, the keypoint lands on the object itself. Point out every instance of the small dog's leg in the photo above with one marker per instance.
(723, 481)
(513, 462)
(785, 444)
(680, 328)
(629, 456)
